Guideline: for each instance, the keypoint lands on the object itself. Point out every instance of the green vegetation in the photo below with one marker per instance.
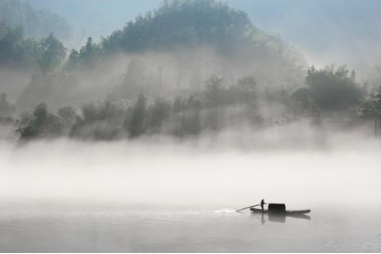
(17, 52)
(331, 89)
(53, 54)
(189, 25)
(40, 124)
(371, 108)
(142, 100)
(185, 24)
(182, 116)
(7, 110)
(218, 106)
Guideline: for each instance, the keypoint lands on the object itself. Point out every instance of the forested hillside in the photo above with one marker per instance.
(186, 68)
(173, 49)
(19, 53)
(189, 25)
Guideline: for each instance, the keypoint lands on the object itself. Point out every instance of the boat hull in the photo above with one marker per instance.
(296, 212)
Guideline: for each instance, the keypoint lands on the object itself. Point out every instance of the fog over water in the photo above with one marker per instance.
(226, 171)
(161, 195)
(150, 134)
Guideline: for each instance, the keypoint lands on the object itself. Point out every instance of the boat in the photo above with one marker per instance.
(279, 210)
(285, 212)
(280, 216)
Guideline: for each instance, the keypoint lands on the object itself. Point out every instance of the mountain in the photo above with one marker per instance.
(37, 23)
(174, 49)
(326, 31)
(225, 35)
(97, 18)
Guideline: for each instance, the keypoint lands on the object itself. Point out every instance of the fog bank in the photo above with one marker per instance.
(212, 172)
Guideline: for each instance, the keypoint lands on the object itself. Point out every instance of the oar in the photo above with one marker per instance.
(247, 207)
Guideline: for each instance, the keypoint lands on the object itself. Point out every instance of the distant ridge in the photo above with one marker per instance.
(37, 23)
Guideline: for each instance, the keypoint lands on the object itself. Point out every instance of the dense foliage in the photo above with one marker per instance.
(7, 109)
(143, 101)
(20, 53)
(333, 89)
(218, 106)
(371, 108)
(181, 116)
(185, 24)
(189, 24)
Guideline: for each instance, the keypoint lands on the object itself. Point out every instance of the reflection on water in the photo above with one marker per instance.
(151, 230)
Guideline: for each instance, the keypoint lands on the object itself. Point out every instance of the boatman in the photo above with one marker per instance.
(263, 205)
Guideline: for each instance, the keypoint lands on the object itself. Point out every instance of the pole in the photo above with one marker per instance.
(247, 207)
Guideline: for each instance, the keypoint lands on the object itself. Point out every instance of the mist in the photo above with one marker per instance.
(323, 30)
(222, 173)
(190, 126)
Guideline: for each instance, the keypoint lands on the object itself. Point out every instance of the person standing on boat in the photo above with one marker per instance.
(263, 205)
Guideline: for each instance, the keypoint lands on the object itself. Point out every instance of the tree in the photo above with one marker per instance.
(90, 53)
(188, 24)
(160, 112)
(333, 89)
(53, 54)
(73, 62)
(41, 124)
(30, 54)
(7, 109)
(10, 46)
(136, 126)
(215, 100)
(371, 108)
(102, 121)
(246, 90)
(247, 84)
(184, 23)
(215, 91)
(193, 125)
(68, 117)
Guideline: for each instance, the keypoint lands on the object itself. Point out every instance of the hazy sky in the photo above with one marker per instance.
(326, 31)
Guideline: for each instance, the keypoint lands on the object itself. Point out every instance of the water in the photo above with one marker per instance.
(105, 229)
(118, 197)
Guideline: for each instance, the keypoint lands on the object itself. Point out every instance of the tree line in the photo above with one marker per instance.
(218, 103)
(16, 52)
(217, 106)
(112, 119)
(184, 24)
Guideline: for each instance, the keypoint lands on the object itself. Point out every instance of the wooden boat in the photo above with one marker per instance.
(280, 216)
(279, 212)
(286, 212)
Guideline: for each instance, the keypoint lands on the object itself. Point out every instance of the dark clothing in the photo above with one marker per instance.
(263, 205)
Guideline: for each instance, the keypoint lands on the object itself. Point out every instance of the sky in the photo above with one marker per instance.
(326, 31)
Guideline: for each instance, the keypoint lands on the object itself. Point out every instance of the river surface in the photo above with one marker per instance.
(123, 229)
(118, 197)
